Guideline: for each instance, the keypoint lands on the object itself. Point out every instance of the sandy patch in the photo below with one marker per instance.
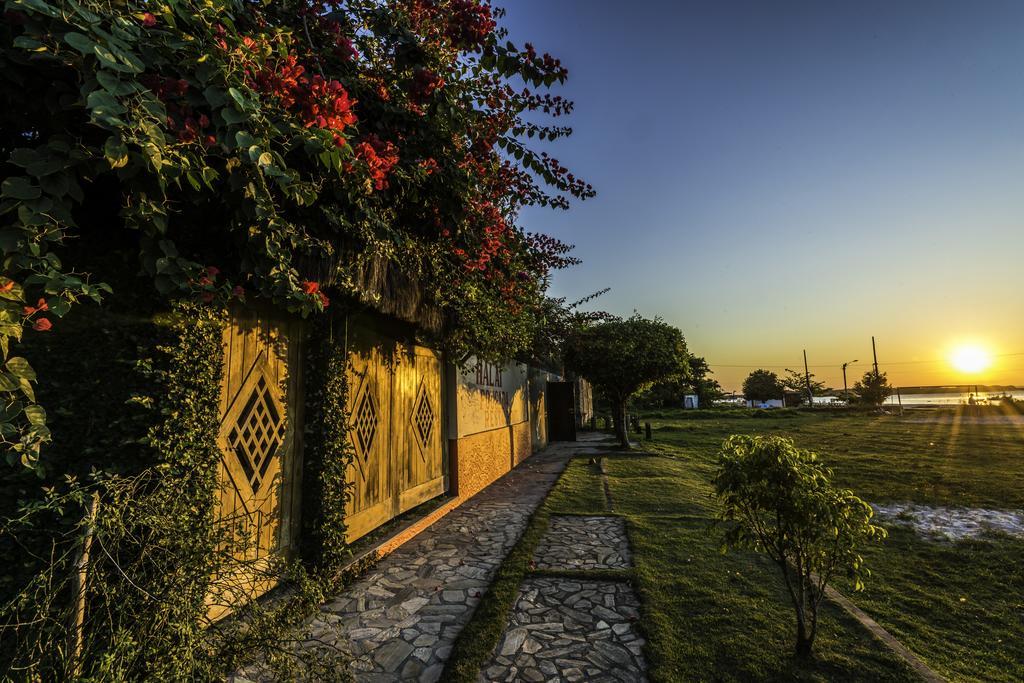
(951, 523)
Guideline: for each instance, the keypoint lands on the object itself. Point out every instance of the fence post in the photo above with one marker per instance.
(78, 588)
(647, 430)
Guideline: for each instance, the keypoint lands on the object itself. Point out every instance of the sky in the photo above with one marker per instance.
(780, 176)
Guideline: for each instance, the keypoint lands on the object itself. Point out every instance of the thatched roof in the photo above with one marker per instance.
(383, 285)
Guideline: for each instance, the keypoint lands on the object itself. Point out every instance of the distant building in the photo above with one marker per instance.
(690, 402)
(770, 403)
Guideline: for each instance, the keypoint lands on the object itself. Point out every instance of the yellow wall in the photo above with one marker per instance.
(479, 459)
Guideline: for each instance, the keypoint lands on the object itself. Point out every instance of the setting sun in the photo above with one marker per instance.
(971, 359)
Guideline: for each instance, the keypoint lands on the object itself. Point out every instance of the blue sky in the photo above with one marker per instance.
(775, 176)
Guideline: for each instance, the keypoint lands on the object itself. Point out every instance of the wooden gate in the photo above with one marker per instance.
(396, 428)
(260, 450)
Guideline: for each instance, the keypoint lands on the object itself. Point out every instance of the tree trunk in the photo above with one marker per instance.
(803, 642)
(621, 430)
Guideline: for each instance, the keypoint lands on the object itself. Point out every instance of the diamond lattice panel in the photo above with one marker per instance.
(423, 418)
(365, 421)
(257, 434)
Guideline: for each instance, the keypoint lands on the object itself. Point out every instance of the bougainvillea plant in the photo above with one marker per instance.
(238, 146)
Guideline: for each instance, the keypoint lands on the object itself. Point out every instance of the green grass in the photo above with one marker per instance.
(714, 616)
(707, 616)
(959, 606)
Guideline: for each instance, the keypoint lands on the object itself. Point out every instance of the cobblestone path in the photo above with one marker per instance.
(400, 620)
(570, 630)
(575, 542)
(574, 629)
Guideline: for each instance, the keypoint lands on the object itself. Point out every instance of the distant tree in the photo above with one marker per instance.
(708, 390)
(762, 385)
(670, 393)
(779, 500)
(873, 388)
(797, 382)
(621, 357)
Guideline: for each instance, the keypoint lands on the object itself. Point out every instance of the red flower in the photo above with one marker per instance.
(206, 297)
(41, 305)
(238, 291)
(310, 288)
(380, 157)
(212, 271)
(324, 301)
(42, 325)
(148, 20)
(429, 165)
(7, 286)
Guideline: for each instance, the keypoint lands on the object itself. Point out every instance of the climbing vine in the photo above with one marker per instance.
(159, 558)
(327, 449)
(272, 150)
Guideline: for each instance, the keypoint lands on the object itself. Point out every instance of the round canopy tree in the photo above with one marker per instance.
(762, 385)
(621, 357)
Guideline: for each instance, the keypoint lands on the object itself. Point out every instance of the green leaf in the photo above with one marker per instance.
(83, 44)
(19, 188)
(19, 367)
(108, 59)
(26, 43)
(244, 140)
(7, 382)
(238, 97)
(26, 388)
(36, 415)
(116, 152)
(114, 85)
(232, 116)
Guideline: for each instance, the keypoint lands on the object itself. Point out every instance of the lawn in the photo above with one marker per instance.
(726, 617)
(959, 606)
(714, 616)
(707, 616)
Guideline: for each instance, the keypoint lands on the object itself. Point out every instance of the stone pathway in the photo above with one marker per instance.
(575, 542)
(574, 629)
(399, 621)
(570, 630)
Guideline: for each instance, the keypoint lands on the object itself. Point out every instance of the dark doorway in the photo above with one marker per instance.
(561, 411)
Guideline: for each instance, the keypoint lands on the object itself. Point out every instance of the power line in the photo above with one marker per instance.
(839, 365)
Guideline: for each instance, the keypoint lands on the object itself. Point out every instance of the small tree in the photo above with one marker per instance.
(707, 389)
(873, 389)
(621, 357)
(801, 383)
(762, 385)
(780, 501)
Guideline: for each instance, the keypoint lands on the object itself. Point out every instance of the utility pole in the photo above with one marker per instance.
(807, 378)
(874, 353)
(846, 392)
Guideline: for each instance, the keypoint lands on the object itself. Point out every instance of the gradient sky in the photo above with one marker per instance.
(775, 176)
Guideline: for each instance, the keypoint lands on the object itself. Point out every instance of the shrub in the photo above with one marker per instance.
(779, 500)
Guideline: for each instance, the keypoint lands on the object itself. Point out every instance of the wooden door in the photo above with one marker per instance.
(561, 401)
(370, 473)
(417, 426)
(260, 446)
(395, 428)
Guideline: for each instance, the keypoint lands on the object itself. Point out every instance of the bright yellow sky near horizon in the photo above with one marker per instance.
(945, 359)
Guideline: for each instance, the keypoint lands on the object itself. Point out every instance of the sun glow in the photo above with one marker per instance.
(971, 359)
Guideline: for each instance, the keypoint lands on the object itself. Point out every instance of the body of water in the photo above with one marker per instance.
(955, 398)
